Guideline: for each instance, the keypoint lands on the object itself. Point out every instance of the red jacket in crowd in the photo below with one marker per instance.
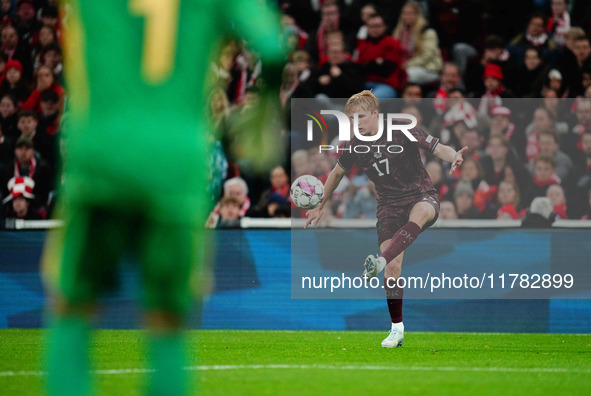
(388, 49)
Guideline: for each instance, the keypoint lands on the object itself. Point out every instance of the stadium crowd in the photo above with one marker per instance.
(509, 78)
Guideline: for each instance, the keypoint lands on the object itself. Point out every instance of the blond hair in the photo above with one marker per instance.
(364, 99)
(575, 33)
(417, 29)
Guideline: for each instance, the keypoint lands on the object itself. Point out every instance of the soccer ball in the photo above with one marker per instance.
(307, 192)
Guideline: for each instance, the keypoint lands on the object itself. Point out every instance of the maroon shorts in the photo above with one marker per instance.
(393, 217)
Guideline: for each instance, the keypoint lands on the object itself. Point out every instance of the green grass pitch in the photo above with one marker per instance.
(233, 362)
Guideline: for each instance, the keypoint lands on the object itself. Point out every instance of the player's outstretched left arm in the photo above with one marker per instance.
(448, 154)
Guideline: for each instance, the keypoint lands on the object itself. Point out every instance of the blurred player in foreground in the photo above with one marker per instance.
(407, 201)
(135, 169)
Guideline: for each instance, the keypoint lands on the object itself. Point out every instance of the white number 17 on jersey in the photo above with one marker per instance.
(375, 165)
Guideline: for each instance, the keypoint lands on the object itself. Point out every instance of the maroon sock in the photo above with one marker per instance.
(394, 300)
(401, 240)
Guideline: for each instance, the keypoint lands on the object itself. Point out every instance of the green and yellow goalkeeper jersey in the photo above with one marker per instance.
(135, 74)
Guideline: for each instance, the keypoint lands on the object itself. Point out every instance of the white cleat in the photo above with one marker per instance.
(370, 267)
(394, 339)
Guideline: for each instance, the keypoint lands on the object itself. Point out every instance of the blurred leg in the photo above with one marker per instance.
(80, 261)
(167, 355)
(168, 274)
(67, 358)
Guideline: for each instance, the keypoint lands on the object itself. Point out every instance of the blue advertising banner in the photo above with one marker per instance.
(252, 283)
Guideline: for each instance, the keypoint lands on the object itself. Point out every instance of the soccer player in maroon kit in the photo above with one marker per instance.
(407, 201)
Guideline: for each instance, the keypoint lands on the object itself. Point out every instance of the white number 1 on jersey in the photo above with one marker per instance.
(385, 160)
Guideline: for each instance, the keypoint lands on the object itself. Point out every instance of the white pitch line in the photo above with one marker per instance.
(318, 367)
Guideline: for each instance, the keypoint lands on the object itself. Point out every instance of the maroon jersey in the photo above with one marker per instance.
(399, 176)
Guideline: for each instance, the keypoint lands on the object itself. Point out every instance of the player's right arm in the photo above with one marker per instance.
(331, 184)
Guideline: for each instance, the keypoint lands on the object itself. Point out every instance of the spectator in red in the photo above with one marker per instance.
(559, 22)
(450, 79)
(45, 80)
(330, 16)
(582, 160)
(495, 90)
(460, 117)
(13, 82)
(544, 175)
(296, 36)
(494, 52)
(26, 164)
(471, 172)
(535, 35)
(556, 195)
(303, 71)
(234, 71)
(548, 140)
(228, 216)
(543, 120)
(237, 189)
(49, 118)
(515, 172)
(464, 198)
(501, 124)
(333, 38)
(420, 45)
(16, 50)
(508, 201)
(574, 139)
(380, 58)
(8, 116)
(19, 202)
